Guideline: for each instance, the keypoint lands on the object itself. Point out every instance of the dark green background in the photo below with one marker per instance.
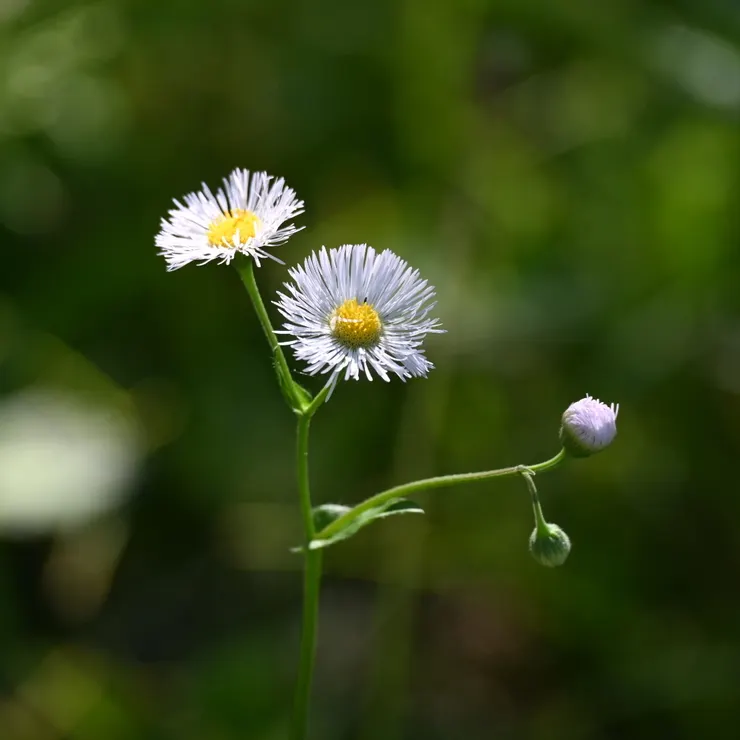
(566, 173)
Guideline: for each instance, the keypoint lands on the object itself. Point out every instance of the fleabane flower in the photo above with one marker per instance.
(246, 215)
(588, 426)
(351, 311)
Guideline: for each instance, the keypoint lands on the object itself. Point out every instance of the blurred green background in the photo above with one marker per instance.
(566, 174)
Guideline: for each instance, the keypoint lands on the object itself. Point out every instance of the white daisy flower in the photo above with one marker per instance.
(588, 426)
(352, 311)
(246, 216)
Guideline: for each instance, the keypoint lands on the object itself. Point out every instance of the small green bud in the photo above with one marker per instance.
(549, 547)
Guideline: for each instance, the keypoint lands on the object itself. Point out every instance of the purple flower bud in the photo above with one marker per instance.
(588, 426)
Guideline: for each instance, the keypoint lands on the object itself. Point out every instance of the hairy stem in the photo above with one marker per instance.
(245, 268)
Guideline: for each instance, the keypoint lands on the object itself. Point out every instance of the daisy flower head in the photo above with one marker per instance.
(588, 426)
(245, 215)
(351, 311)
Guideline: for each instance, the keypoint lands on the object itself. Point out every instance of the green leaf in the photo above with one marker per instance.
(328, 513)
(325, 514)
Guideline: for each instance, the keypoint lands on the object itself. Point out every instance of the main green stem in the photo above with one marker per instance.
(442, 481)
(311, 576)
(311, 585)
(304, 488)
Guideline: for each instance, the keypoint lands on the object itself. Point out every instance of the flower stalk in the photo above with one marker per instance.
(442, 481)
(294, 395)
(548, 543)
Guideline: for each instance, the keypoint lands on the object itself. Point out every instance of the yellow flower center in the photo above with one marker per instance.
(222, 232)
(356, 324)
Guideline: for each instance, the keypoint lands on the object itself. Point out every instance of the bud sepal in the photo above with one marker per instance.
(549, 545)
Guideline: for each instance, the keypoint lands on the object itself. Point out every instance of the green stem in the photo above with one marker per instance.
(304, 490)
(245, 268)
(311, 584)
(539, 519)
(316, 402)
(442, 481)
(311, 576)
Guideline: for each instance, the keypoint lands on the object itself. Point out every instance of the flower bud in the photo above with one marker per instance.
(588, 426)
(549, 545)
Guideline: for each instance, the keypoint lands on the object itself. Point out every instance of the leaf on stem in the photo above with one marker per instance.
(328, 513)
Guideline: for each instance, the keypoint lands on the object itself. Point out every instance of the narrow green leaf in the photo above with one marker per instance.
(325, 514)
(328, 513)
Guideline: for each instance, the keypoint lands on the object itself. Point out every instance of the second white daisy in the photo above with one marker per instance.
(246, 215)
(352, 311)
